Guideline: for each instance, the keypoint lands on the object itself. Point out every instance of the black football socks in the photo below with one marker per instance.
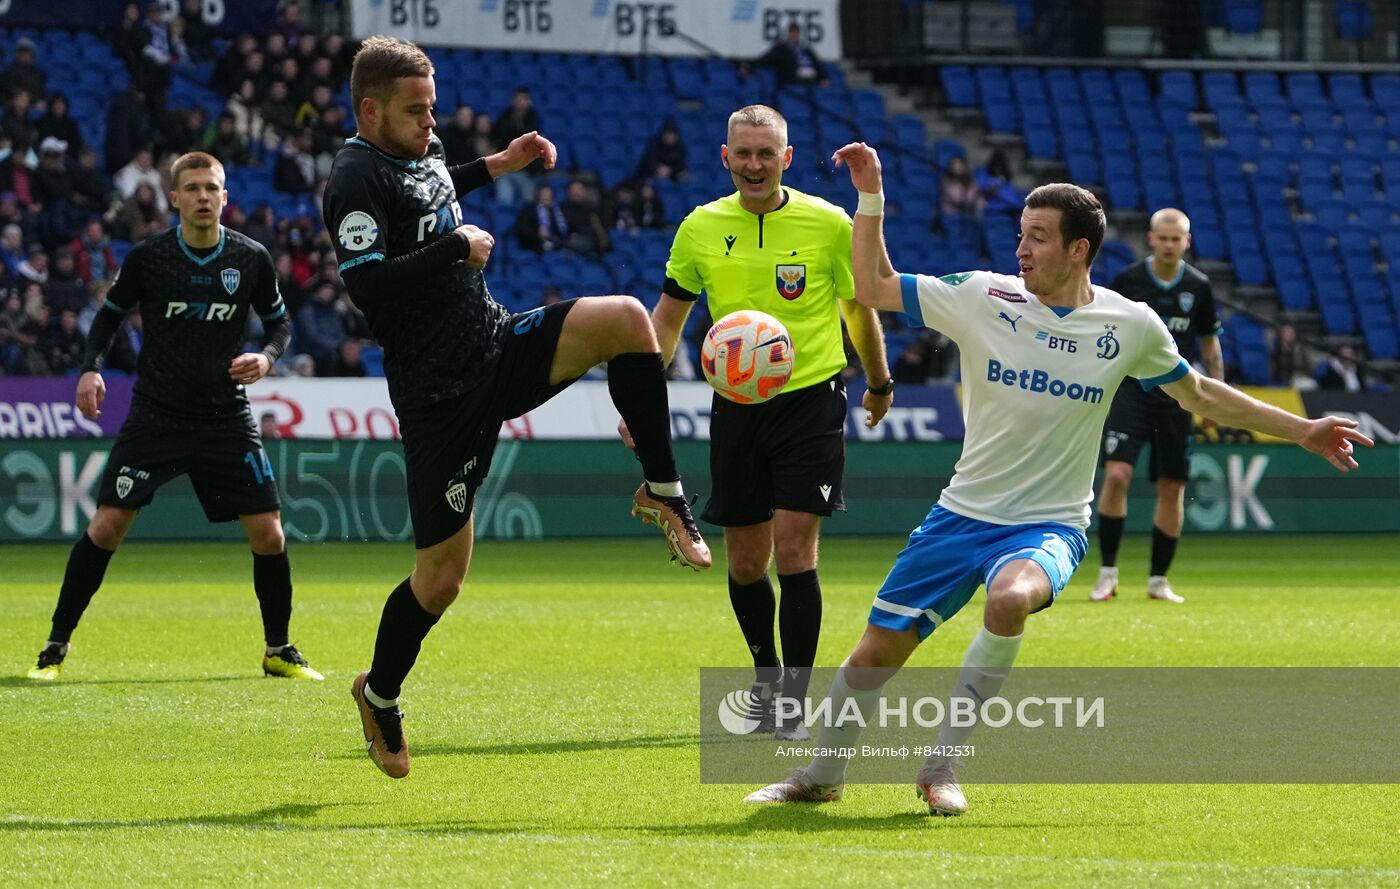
(754, 606)
(1110, 536)
(1163, 551)
(87, 565)
(402, 628)
(637, 384)
(272, 582)
(800, 626)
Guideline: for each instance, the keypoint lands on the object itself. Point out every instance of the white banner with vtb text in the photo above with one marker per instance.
(734, 28)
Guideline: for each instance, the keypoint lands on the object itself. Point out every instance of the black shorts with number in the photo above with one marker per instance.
(1136, 418)
(448, 445)
(226, 464)
(788, 453)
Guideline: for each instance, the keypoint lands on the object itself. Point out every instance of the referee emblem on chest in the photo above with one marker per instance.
(792, 281)
(231, 277)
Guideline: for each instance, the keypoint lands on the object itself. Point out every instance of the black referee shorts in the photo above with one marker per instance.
(227, 466)
(1136, 419)
(788, 453)
(448, 446)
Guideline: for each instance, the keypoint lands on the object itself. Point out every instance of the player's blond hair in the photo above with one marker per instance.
(381, 61)
(1167, 216)
(195, 160)
(758, 116)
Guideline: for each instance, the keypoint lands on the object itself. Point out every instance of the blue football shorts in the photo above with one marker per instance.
(949, 556)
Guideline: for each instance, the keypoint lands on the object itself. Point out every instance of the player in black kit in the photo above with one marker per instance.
(189, 415)
(458, 364)
(1181, 295)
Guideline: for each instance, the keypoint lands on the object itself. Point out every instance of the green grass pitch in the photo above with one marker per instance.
(553, 722)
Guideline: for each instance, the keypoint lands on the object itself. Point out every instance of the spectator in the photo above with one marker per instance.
(141, 215)
(184, 129)
(457, 139)
(998, 189)
(652, 209)
(520, 118)
(540, 226)
(1289, 363)
(320, 327)
(24, 74)
(290, 24)
(623, 207)
(296, 167)
(32, 325)
(228, 70)
(255, 68)
(131, 40)
(274, 49)
(23, 132)
(262, 227)
(288, 70)
(310, 111)
(11, 249)
(347, 361)
(35, 266)
(794, 62)
(90, 191)
(225, 142)
(65, 288)
(328, 135)
(126, 347)
(1343, 372)
(267, 426)
(12, 213)
(138, 172)
(160, 49)
(57, 124)
(333, 47)
(319, 71)
(959, 192)
(587, 234)
(198, 36)
(92, 254)
(664, 157)
(242, 108)
(128, 127)
(62, 343)
(52, 185)
(482, 143)
(278, 113)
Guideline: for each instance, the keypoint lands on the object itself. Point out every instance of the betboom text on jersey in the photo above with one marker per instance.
(1035, 380)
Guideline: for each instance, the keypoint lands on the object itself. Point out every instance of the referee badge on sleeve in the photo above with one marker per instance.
(792, 281)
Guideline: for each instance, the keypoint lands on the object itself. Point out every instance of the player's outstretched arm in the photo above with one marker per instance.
(1331, 438)
(877, 284)
(522, 151)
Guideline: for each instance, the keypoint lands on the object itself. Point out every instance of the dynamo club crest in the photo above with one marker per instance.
(792, 281)
(231, 277)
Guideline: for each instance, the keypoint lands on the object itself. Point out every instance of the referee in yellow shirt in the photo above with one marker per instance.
(776, 467)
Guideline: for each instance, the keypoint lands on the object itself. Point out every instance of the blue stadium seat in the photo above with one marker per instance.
(1262, 86)
(1332, 214)
(1207, 240)
(1291, 281)
(959, 86)
(1180, 86)
(1244, 16)
(1345, 87)
(1338, 316)
(1083, 165)
(1354, 19)
(1250, 268)
(1377, 214)
(1275, 164)
(1289, 141)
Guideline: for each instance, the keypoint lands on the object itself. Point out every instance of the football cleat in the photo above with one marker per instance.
(289, 664)
(763, 699)
(50, 663)
(383, 727)
(672, 516)
(797, 789)
(1158, 588)
(1106, 587)
(794, 731)
(938, 786)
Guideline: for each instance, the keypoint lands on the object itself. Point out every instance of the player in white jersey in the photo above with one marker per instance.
(1042, 355)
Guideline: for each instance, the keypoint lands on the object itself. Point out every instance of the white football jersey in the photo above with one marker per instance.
(1036, 387)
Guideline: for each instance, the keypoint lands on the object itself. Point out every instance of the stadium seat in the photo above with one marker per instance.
(959, 86)
(1291, 281)
(1180, 87)
(1244, 16)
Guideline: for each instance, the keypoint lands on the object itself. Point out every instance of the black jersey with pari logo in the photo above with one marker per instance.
(194, 318)
(437, 338)
(1186, 305)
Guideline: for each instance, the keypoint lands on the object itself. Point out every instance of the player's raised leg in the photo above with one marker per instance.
(616, 329)
(87, 565)
(272, 584)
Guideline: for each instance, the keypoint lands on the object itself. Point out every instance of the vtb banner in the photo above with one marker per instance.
(734, 28)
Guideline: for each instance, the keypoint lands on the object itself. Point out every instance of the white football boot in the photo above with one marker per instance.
(1106, 587)
(1158, 588)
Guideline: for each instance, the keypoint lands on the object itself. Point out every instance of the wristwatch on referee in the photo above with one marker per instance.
(882, 391)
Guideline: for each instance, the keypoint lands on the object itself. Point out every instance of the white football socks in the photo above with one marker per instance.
(984, 668)
(376, 700)
(831, 768)
(666, 489)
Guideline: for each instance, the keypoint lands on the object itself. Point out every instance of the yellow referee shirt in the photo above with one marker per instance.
(793, 263)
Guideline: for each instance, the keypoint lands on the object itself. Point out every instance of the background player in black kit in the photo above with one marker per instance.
(189, 415)
(1181, 295)
(458, 364)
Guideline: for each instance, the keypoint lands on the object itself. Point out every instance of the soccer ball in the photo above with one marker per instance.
(747, 357)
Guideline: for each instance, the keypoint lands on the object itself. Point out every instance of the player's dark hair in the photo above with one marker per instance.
(381, 61)
(194, 160)
(1081, 214)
